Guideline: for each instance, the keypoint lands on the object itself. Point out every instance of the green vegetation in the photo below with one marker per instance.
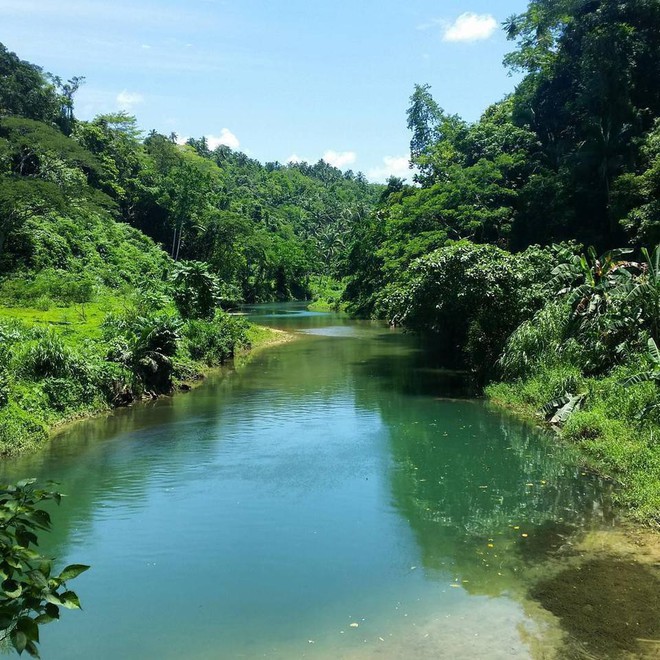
(326, 294)
(31, 594)
(119, 253)
(486, 255)
(67, 362)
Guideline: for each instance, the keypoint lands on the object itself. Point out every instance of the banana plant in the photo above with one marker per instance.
(652, 373)
(644, 291)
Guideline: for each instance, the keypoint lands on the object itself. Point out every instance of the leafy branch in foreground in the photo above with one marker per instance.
(31, 595)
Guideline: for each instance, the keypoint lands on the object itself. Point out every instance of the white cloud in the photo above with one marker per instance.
(470, 27)
(339, 158)
(128, 100)
(226, 138)
(295, 158)
(392, 166)
(433, 23)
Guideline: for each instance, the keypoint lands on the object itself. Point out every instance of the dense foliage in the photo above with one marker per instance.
(119, 252)
(471, 297)
(493, 250)
(110, 358)
(572, 154)
(31, 593)
(485, 252)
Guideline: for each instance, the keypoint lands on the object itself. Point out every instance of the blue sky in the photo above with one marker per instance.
(294, 78)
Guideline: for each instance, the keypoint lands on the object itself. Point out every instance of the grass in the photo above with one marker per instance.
(259, 336)
(617, 430)
(63, 363)
(76, 321)
(326, 294)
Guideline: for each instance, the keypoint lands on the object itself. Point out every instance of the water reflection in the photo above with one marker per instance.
(329, 481)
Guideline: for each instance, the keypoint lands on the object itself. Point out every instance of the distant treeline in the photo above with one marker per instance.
(262, 229)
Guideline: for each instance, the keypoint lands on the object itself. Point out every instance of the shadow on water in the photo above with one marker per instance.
(550, 538)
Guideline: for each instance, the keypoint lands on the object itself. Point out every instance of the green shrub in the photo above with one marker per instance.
(470, 296)
(43, 303)
(64, 393)
(196, 290)
(19, 430)
(4, 387)
(48, 286)
(145, 345)
(215, 341)
(47, 356)
(537, 342)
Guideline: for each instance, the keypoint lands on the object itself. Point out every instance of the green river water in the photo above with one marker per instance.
(332, 498)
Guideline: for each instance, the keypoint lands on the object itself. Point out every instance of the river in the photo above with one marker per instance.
(335, 497)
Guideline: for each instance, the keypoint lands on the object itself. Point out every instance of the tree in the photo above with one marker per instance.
(436, 136)
(637, 195)
(21, 199)
(25, 91)
(196, 290)
(590, 95)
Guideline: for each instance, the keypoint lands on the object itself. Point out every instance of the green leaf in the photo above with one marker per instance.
(70, 600)
(32, 649)
(53, 611)
(45, 567)
(72, 571)
(29, 627)
(38, 579)
(19, 640)
(42, 518)
(24, 537)
(12, 588)
(43, 619)
(653, 351)
(54, 599)
(6, 621)
(14, 563)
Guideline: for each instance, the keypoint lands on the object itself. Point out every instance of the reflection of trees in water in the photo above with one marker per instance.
(458, 474)
(471, 481)
(111, 463)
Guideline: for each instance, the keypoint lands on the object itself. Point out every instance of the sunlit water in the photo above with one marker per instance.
(329, 499)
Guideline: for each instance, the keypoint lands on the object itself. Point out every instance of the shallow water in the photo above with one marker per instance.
(331, 481)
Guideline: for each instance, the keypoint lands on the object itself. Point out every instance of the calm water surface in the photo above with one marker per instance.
(329, 499)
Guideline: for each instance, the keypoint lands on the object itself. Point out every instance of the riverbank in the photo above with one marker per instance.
(64, 364)
(613, 444)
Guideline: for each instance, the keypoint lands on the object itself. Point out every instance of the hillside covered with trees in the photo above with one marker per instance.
(119, 252)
